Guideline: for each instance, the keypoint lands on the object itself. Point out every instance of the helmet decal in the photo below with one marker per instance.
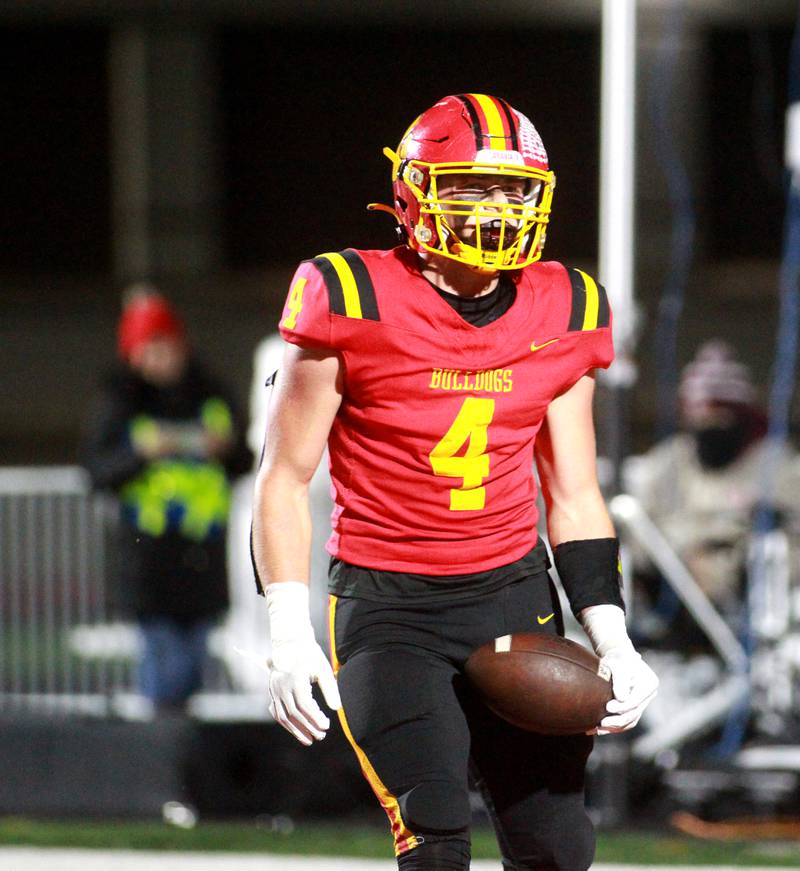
(531, 142)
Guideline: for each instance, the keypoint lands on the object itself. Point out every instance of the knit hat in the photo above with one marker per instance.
(146, 315)
(716, 377)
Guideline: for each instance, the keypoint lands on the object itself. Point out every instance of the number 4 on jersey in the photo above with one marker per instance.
(470, 426)
(295, 304)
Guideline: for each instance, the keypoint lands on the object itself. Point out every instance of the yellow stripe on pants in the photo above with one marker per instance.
(404, 839)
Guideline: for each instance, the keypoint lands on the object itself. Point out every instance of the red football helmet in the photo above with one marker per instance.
(478, 136)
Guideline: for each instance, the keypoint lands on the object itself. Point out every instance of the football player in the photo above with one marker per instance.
(435, 372)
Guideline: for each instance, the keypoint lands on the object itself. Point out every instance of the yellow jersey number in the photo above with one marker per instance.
(295, 303)
(471, 427)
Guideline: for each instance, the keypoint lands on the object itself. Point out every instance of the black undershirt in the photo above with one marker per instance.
(482, 310)
(407, 588)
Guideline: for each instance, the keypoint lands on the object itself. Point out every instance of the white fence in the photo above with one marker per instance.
(66, 645)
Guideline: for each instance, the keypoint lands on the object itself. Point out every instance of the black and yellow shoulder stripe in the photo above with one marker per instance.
(350, 289)
(589, 302)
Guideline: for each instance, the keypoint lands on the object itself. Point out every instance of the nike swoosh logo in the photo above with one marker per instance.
(543, 620)
(535, 347)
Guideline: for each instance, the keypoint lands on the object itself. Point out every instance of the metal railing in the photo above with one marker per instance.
(769, 675)
(66, 644)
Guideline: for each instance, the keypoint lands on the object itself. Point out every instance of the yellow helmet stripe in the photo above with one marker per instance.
(352, 302)
(592, 302)
(494, 121)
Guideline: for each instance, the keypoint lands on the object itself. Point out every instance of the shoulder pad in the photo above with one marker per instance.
(350, 289)
(590, 309)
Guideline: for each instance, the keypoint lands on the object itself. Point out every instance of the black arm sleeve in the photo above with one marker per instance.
(589, 570)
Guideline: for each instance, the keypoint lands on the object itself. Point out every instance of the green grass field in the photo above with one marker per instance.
(350, 840)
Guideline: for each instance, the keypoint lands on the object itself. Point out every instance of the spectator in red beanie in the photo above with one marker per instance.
(165, 438)
(146, 315)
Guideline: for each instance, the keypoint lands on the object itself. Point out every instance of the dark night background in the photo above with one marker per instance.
(304, 116)
(303, 113)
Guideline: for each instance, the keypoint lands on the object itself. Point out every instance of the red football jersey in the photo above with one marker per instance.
(431, 452)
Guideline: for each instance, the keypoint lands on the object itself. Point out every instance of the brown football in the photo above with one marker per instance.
(542, 683)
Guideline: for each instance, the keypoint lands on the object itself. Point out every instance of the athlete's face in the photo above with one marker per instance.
(483, 188)
(492, 192)
(160, 360)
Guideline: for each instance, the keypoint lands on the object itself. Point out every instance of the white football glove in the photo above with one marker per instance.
(633, 682)
(297, 662)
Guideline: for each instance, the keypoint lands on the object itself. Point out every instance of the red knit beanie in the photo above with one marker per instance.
(145, 316)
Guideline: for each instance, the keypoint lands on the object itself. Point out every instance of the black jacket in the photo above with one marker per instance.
(172, 553)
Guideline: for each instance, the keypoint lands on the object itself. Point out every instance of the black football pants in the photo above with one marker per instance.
(419, 732)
